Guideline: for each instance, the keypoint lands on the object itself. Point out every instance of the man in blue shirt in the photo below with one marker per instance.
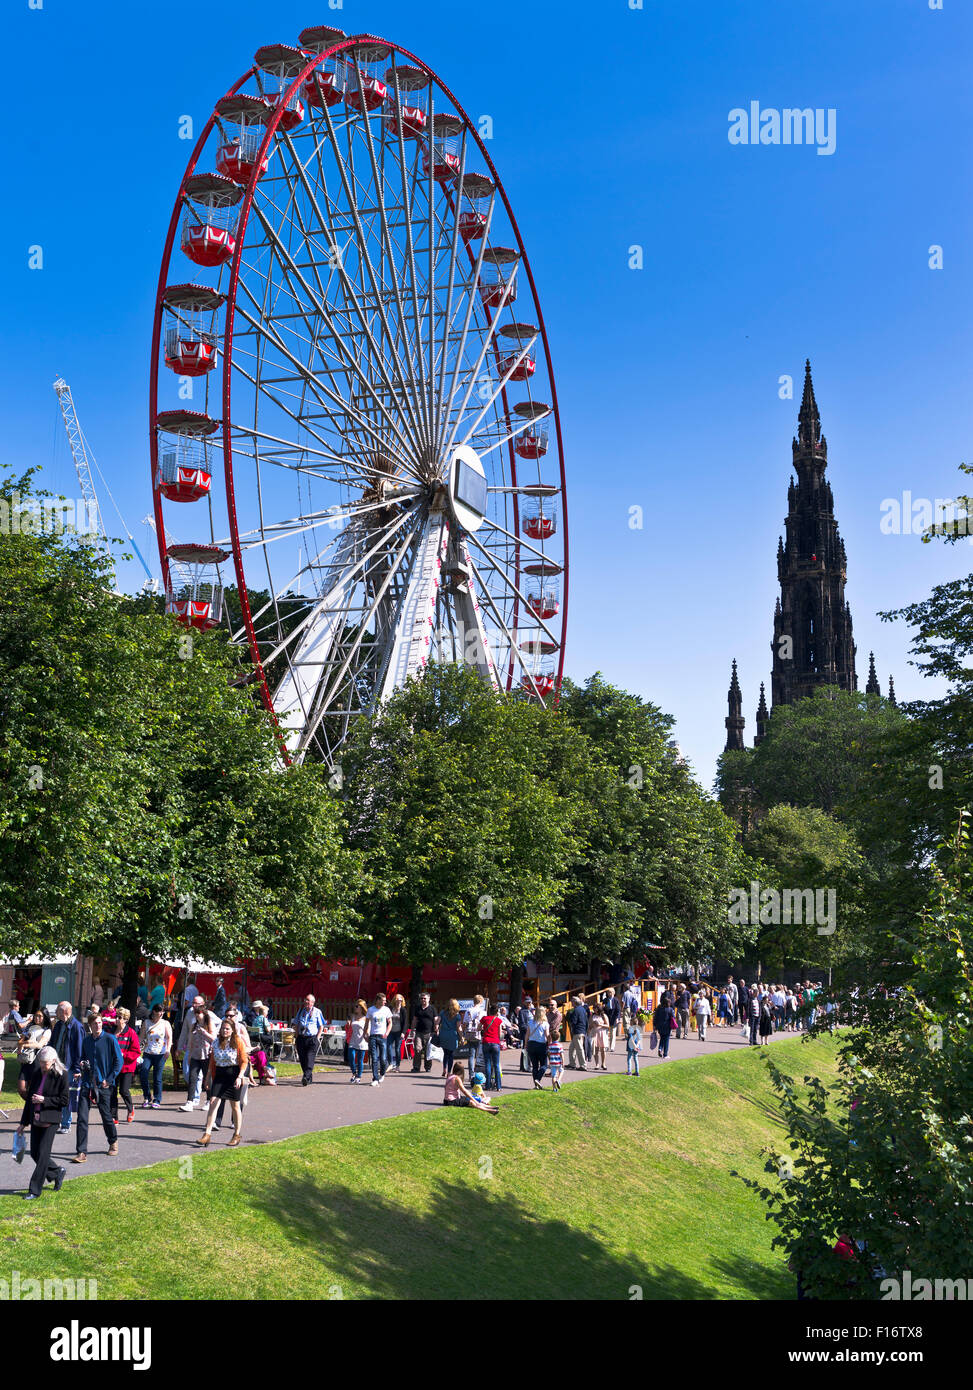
(101, 1062)
(307, 1025)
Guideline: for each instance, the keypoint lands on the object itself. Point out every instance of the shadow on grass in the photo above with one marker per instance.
(471, 1244)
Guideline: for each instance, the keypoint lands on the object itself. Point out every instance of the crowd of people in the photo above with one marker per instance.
(223, 1048)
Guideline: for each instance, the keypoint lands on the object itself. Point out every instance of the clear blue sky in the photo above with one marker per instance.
(610, 130)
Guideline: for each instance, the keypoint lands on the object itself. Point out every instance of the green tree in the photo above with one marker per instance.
(662, 855)
(142, 807)
(801, 850)
(884, 1157)
(466, 838)
(866, 764)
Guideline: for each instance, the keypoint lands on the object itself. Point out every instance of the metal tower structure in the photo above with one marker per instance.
(82, 466)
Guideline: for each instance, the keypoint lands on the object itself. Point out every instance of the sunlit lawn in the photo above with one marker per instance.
(614, 1185)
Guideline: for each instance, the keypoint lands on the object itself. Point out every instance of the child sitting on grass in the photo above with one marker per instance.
(455, 1092)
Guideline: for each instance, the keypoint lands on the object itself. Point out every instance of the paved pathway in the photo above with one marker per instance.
(282, 1111)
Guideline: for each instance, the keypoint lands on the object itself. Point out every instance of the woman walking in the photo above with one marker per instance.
(46, 1093)
(724, 1013)
(400, 1020)
(357, 1042)
(598, 1026)
(156, 1045)
(537, 1040)
(227, 1063)
(704, 1010)
(663, 1021)
(449, 1026)
(128, 1041)
(490, 1025)
(766, 1019)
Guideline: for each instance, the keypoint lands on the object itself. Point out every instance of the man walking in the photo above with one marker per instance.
(613, 1011)
(308, 1025)
(743, 1002)
(101, 1062)
(578, 1023)
(525, 1020)
(67, 1038)
(424, 1023)
(196, 1040)
(754, 1015)
(379, 1017)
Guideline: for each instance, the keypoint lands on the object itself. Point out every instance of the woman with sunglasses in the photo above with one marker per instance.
(227, 1064)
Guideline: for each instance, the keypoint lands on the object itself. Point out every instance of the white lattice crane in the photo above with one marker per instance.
(82, 465)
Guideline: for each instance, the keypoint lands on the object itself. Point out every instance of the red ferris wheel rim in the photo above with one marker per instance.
(287, 93)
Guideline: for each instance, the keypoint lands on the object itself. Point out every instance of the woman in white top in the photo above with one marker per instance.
(703, 1011)
(537, 1038)
(156, 1038)
(357, 1042)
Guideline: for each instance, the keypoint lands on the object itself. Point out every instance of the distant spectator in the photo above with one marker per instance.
(156, 1045)
(449, 1029)
(400, 1026)
(577, 1021)
(424, 1025)
(131, 1050)
(613, 1012)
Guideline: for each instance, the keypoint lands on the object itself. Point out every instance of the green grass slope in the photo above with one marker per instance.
(614, 1189)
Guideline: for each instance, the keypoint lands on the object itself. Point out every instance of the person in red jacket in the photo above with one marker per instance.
(128, 1041)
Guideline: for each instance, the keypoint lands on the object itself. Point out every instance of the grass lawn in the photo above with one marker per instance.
(614, 1185)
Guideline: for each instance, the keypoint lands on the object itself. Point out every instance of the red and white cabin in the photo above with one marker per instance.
(282, 63)
(194, 593)
(183, 470)
(243, 121)
(543, 589)
(208, 235)
(475, 190)
(498, 276)
(521, 363)
(531, 443)
(326, 85)
(404, 110)
(188, 336)
(540, 673)
(364, 88)
(446, 161)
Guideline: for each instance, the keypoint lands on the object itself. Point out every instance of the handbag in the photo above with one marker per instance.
(653, 1040)
(20, 1144)
(433, 1053)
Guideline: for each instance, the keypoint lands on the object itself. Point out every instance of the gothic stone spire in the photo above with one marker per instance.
(872, 686)
(762, 717)
(734, 721)
(813, 644)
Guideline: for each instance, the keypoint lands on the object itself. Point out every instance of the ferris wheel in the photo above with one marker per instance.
(352, 408)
